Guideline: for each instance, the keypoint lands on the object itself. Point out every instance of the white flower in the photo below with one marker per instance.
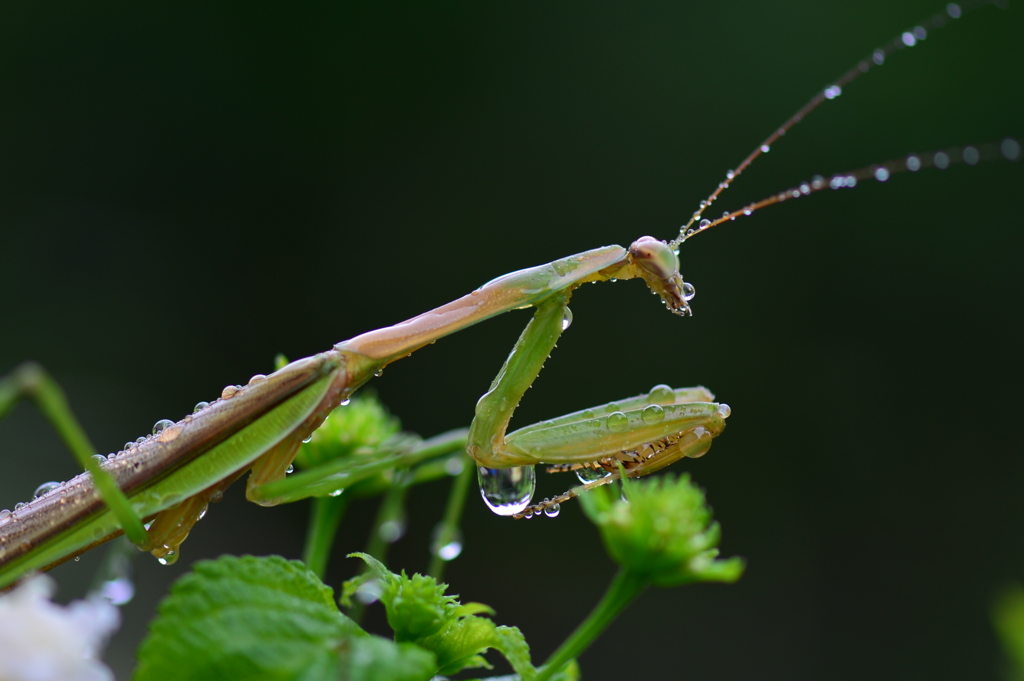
(42, 641)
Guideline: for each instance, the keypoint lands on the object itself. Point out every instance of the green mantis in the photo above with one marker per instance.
(290, 404)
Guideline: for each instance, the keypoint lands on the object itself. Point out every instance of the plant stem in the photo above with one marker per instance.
(453, 513)
(325, 516)
(626, 586)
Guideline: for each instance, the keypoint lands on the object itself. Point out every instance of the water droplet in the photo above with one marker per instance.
(920, 32)
(378, 373)
(688, 291)
(591, 474)
(345, 402)
(908, 39)
(817, 182)
(4, 513)
(290, 469)
(507, 491)
(99, 459)
(941, 160)
(369, 592)
(1010, 149)
(748, 210)
(881, 174)
(833, 91)
(724, 410)
(228, 392)
(913, 163)
(765, 148)
(20, 505)
(392, 530)
(199, 407)
(128, 445)
(257, 378)
(451, 548)
(169, 558)
(661, 394)
(805, 189)
(652, 414)
(704, 224)
(566, 319)
(553, 510)
(953, 10)
(308, 439)
(617, 422)
(160, 425)
(45, 489)
(118, 591)
(971, 155)
(202, 512)
(454, 465)
(337, 492)
(730, 174)
(78, 558)
(878, 57)
(139, 440)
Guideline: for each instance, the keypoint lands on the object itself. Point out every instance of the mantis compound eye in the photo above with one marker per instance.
(658, 264)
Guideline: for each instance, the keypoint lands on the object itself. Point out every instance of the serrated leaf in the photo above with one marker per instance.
(245, 617)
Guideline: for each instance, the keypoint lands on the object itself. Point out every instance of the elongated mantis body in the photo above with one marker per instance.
(174, 474)
(326, 380)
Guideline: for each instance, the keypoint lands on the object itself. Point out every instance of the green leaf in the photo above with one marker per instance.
(265, 618)
(1008, 618)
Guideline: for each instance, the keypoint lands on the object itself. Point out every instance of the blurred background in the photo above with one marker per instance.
(186, 191)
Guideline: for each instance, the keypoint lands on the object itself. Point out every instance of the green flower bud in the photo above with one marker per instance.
(662, 532)
(361, 425)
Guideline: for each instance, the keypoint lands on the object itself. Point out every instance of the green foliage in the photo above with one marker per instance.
(418, 610)
(266, 618)
(1008, 618)
(663, 533)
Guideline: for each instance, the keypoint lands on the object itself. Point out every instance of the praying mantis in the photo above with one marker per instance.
(554, 314)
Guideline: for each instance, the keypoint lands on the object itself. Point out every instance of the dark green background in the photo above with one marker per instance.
(185, 192)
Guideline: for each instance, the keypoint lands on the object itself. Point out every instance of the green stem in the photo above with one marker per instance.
(626, 586)
(391, 508)
(324, 518)
(453, 513)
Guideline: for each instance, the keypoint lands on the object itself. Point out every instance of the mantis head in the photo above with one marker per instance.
(658, 264)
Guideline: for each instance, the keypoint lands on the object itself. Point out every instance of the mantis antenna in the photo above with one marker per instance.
(908, 38)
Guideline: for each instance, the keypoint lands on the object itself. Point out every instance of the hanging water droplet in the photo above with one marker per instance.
(452, 546)
(290, 469)
(566, 319)
(724, 410)
(200, 406)
(704, 224)
(688, 291)
(553, 510)
(306, 440)
(881, 173)
(941, 160)
(591, 474)
(730, 174)
(78, 558)
(971, 155)
(1010, 149)
(161, 425)
(765, 148)
(661, 394)
(45, 489)
(617, 422)
(345, 402)
(169, 558)
(257, 378)
(337, 492)
(652, 414)
(507, 491)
